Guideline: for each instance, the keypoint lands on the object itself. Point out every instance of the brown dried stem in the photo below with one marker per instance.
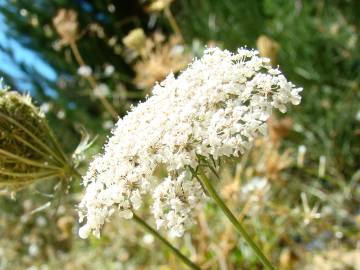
(92, 80)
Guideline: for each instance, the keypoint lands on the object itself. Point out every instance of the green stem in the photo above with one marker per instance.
(148, 228)
(153, 232)
(75, 173)
(212, 192)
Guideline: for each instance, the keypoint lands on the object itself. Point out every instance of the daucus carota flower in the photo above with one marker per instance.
(215, 108)
(174, 200)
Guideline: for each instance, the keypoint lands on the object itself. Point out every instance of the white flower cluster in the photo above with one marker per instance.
(174, 200)
(216, 107)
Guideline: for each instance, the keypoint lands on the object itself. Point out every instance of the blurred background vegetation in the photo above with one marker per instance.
(297, 190)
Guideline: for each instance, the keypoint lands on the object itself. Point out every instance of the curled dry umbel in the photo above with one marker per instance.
(29, 151)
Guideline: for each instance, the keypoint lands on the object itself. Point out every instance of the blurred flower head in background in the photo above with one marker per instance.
(268, 48)
(135, 40)
(66, 25)
(159, 57)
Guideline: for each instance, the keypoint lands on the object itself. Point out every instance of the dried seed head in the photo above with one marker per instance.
(158, 5)
(279, 128)
(162, 56)
(66, 25)
(28, 150)
(135, 39)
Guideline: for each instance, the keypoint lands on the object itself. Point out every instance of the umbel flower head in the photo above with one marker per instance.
(215, 108)
(28, 149)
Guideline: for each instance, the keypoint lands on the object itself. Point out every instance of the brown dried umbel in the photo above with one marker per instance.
(135, 39)
(66, 25)
(29, 151)
(159, 57)
(268, 48)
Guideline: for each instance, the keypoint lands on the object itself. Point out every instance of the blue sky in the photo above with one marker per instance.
(26, 56)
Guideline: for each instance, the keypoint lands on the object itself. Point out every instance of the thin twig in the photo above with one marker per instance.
(219, 202)
(175, 251)
(173, 23)
(92, 81)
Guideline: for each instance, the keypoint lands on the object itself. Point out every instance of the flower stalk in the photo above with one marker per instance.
(66, 24)
(220, 203)
(107, 105)
(166, 243)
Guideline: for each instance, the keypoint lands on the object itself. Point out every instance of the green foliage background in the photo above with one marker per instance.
(319, 50)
